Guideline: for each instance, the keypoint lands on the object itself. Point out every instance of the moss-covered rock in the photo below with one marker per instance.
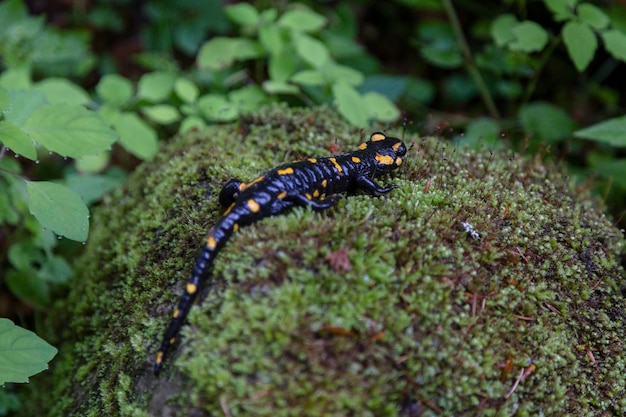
(484, 285)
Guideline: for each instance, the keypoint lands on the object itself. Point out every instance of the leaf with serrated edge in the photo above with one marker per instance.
(17, 140)
(59, 209)
(22, 353)
(69, 130)
(611, 132)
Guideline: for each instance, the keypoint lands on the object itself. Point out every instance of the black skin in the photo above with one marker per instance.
(312, 182)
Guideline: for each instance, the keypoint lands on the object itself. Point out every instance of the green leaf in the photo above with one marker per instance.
(16, 78)
(581, 43)
(27, 286)
(156, 86)
(92, 187)
(220, 53)
(60, 90)
(271, 38)
(302, 20)
(482, 131)
(217, 108)
(69, 130)
(308, 77)
(8, 213)
(615, 43)
(380, 107)
(546, 122)
(136, 136)
(529, 37)
(191, 122)
(336, 73)
(55, 269)
(249, 49)
(244, 14)
(248, 99)
(5, 101)
(312, 51)
(186, 90)
(390, 86)
(17, 140)
(59, 209)
(593, 16)
(23, 255)
(350, 104)
(279, 87)
(282, 65)
(114, 89)
(23, 104)
(502, 29)
(22, 353)
(615, 169)
(161, 113)
(612, 132)
(438, 45)
(93, 163)
(562, 9)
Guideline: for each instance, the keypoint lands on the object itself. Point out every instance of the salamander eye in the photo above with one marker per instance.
(400, 148)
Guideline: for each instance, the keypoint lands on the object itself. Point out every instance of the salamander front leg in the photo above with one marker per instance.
(373, 188)
(305, 200)
(230, 192)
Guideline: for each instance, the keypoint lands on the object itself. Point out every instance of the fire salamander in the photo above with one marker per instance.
(313, 182)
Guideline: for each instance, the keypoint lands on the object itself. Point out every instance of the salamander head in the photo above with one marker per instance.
(388, 152)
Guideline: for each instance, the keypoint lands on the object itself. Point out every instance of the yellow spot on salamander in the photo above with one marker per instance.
(254, 181)
(176, 313)
(363, 146)
(242, 186)
(356, 160)
(396, 146)
(384, 159)
(159, 358)
(235, 227)
(308, 196)
(211, 243)
(398, 161)
(312, 160)
(334, 161)
(253, 206)
(285, 171)
(323, 196)
(172, 340)
(191, 288)
(229, 209)
(316, 193)
(282, 195)
(377, 136)
(324, 183)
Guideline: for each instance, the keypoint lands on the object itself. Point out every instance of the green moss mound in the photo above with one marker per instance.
(484, 285)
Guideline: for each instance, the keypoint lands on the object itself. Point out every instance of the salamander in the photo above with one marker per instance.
(313, 182)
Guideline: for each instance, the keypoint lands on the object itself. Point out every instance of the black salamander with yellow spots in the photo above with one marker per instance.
(313, 182)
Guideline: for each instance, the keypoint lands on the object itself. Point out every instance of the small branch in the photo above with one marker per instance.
(469, 60)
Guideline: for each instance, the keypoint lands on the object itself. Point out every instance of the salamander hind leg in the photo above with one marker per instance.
(373, 188)
(230, 192)
(305, 200)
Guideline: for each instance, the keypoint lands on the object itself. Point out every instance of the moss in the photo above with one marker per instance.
(378, 307)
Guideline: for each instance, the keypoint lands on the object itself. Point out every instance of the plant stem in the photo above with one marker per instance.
(468, 59)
